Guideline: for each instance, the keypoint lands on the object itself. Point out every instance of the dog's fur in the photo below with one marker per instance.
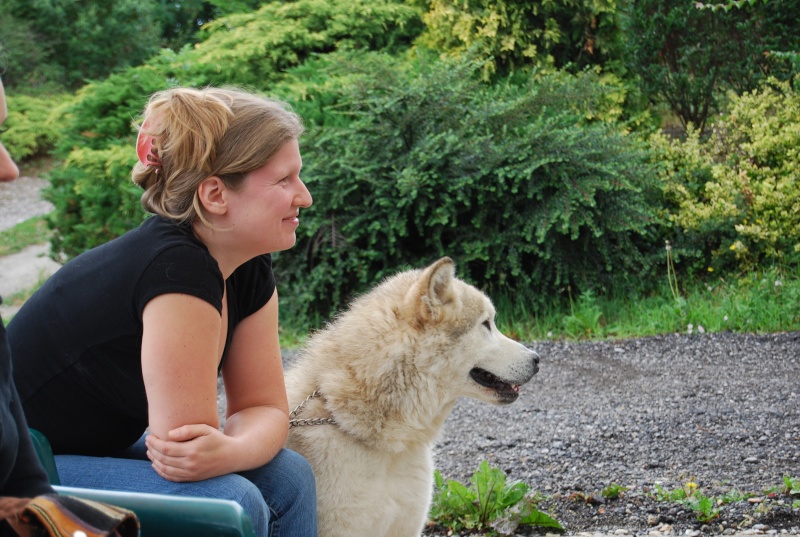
(389, 371)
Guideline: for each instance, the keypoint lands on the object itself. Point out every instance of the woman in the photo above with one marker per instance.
(132, 334)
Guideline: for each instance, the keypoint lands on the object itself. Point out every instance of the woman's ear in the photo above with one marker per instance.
(212, 194)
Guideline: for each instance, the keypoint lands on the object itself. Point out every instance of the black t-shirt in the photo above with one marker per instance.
(76, 343)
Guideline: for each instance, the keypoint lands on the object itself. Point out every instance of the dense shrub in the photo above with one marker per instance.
(33, 126)
(103, 112)
(255, 48)
(95, 199)
(733, 197)
(511, 181)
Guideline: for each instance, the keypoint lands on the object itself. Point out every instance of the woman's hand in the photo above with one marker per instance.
(190, 453)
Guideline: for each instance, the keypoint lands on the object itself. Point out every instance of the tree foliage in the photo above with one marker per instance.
(687, 57)
(85, 39)
(182, 21)
(64, 43)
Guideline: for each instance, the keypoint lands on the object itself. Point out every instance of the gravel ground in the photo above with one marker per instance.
(721, 410)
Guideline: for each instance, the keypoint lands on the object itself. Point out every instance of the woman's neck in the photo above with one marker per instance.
(221, 245)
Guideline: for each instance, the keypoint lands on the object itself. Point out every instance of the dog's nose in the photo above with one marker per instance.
(535, 358)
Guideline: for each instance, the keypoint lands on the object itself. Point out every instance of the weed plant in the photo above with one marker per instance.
(614, 491)
(489, 504)
(707, 508)
(792, 488)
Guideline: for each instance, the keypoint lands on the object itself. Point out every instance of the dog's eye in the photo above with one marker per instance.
(488, 325)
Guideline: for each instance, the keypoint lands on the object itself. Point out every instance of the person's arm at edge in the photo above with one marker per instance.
(8, 168)
(3, 109)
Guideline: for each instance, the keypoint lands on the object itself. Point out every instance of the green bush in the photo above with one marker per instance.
(33, 126)
(513, 35)
(733, 197)
(103, 112)
(511, 181)
(95, 199)
(254, 49)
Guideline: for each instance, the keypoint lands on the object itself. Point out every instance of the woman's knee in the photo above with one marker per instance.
(250, 498)
(287, 482)
(299, 472)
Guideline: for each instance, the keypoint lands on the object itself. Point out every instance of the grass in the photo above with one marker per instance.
(30, 232)
(763, 301)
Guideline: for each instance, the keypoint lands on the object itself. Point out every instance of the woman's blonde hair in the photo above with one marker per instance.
(199, 133)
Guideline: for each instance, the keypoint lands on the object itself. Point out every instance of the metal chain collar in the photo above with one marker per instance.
(299, 422)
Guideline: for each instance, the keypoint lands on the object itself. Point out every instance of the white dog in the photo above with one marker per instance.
(378, 384)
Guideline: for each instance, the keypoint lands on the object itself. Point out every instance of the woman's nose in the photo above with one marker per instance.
(304, 196)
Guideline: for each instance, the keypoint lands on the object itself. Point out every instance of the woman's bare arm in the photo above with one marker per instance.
(185, 442)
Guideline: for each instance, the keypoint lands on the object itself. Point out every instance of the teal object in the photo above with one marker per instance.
(159, 515)
(42, 446)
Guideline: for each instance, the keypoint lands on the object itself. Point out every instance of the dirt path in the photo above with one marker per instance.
(19, 272)
(20, 200)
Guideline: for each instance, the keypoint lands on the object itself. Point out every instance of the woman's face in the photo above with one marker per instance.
(265, 209)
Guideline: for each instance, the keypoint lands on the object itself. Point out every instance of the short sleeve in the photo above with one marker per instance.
(253, 285)
(180, 269)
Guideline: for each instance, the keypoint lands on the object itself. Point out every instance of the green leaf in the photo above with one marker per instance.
(543, 520)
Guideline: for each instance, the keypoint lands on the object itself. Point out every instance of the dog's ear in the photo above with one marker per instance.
(432, 292)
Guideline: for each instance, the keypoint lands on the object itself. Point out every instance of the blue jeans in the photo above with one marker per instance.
(280, 497)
